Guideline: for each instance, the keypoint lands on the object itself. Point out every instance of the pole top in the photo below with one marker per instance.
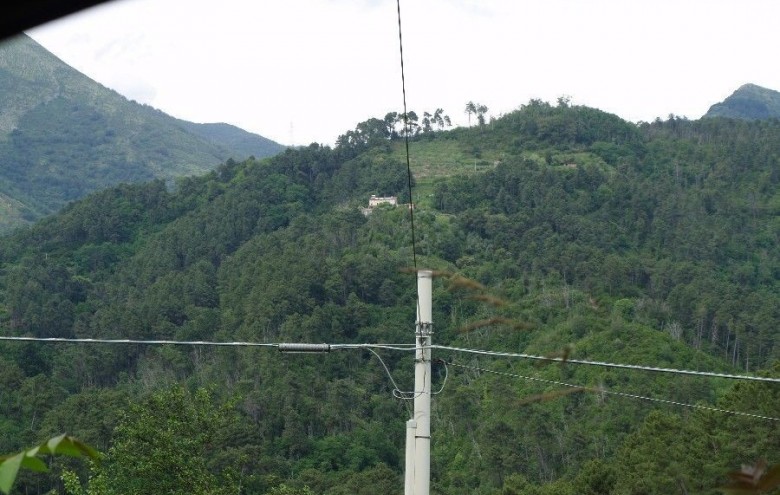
(424, 297)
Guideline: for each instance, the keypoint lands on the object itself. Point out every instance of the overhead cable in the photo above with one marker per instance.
(393, 347)
(285, 347)
(516, 355)
(407, 131)
(600, 390)
(63, 340)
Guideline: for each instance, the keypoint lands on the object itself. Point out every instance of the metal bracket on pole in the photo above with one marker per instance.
(424, 329)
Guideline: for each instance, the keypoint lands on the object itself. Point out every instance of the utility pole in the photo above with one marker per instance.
(418, 429)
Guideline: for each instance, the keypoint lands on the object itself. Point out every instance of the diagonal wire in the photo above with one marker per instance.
(709, 374)
(407, 131)
(618, 394)
(397, 392)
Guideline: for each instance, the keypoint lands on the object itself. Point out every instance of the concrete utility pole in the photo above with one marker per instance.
(418, 429)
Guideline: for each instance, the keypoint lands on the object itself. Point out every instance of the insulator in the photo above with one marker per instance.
(300, 347)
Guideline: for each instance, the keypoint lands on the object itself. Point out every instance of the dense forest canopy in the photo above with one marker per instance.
(653, 244)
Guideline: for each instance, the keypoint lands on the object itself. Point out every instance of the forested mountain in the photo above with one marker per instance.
(63, 136)
(240, 143)
(749, 102)
(555, 231)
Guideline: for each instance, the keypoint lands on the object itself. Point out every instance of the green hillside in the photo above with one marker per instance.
(63, 136)
(578, 235)
(242, 144)
(749, 102)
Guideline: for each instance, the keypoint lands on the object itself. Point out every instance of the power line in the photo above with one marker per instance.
(709, 374)
(62, 340)
(397, 392)
(287, 347)
(407, 130)
(618, 394)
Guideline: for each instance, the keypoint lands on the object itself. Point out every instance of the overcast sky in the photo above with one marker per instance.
(300, 71)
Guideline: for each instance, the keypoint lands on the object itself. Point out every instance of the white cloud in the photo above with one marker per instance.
(308, 70)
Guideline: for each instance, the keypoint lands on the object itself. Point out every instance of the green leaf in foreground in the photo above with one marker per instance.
(59, 445)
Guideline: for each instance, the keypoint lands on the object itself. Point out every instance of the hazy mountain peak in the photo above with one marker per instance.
(748, 102)
(63, 135)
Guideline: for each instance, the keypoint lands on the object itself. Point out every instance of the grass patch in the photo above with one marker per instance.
(444, 158)
(431, 160)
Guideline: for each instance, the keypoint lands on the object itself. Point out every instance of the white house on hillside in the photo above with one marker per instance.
(375, 200)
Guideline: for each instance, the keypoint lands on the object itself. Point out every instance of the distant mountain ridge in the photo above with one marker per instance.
(749, 102)
(63, 135)
(237, 140)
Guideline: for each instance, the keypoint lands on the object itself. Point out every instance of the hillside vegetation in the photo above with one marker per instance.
(578, 235)
(748, 102)
(63, 136)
